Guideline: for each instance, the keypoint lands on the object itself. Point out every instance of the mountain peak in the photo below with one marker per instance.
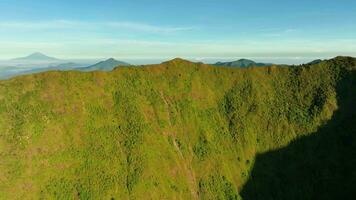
(178, 61)
(242, 63)
(247, 61)
(38, 54)
(111, 59)
(106, 65)
(317, 61)
(38, 57)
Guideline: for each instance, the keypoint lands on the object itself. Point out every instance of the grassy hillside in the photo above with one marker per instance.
(178, 130)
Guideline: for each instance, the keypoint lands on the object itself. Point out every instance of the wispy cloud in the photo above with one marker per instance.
(67, 24)
(103, 46)
(146, 27)
(277, 32)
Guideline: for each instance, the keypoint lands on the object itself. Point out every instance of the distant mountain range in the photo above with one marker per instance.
(242, 63)
(39, 62)
(61, 67)
(106, 65)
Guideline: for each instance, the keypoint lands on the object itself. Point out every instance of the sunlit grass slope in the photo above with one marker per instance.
(178, 130)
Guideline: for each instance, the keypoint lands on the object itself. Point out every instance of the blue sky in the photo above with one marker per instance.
(159, 29)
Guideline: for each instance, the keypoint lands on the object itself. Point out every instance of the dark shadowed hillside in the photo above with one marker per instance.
(180, 130)
(318, 166)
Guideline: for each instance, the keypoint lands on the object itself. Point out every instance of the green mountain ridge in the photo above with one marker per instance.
(180, 130)
(317, 61)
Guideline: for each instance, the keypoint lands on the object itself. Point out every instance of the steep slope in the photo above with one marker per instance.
(317, 166)
(106, 65)
(242, 63)
(178, 130)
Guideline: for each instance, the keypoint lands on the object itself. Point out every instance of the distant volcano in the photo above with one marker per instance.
(37, 57)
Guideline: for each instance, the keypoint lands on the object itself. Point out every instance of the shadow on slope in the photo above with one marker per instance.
(318, 166)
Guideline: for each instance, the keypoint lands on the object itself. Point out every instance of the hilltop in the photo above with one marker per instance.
(180, 130)
(106, 65)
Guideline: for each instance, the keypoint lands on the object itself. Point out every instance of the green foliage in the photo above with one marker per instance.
(178, 130)
(217, 187)
(201, 149)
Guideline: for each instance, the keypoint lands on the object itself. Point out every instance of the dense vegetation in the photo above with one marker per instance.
(180, 130)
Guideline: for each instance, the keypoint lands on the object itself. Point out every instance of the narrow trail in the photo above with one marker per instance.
(188, 171)
(185, 163)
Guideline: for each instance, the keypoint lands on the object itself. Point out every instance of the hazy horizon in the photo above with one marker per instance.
(156, 60)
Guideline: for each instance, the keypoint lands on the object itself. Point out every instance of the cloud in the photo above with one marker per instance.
(75, 25)
(279, 32)
(146, 27)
